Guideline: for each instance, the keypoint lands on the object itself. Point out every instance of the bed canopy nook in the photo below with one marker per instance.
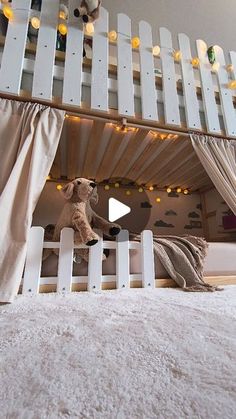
(157, 111)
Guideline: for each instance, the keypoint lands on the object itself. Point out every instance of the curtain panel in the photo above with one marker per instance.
(29, 136)
(218, 157)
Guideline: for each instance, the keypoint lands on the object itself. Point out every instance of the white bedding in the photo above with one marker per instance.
(220, 260)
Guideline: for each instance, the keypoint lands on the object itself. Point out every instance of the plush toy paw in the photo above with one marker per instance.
(106, 252)
(85, 18)
(114, 231)
(76, 13)
(91, 242)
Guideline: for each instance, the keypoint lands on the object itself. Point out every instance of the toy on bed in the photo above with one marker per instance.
(78, 214)
(88, 10)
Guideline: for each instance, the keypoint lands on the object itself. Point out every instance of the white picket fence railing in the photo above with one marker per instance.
(166, 91)
(64, 280)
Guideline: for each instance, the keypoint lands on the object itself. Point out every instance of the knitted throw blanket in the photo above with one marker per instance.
(182, 258)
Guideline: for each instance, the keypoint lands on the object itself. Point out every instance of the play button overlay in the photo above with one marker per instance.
(117, 209)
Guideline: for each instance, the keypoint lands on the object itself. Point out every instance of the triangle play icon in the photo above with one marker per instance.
(117, 209)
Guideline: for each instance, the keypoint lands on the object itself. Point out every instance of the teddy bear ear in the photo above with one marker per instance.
(67, 190)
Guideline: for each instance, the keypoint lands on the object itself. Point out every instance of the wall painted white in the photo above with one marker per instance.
(210, 20)
(51, 203)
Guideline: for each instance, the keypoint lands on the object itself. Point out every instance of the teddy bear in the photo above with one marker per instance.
(89, 10)
(78, 214)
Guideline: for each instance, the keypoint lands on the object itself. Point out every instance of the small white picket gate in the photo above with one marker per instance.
(64, 280)
(164, 92)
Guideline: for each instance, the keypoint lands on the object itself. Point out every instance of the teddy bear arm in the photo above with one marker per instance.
(105, 226)
(81, 225)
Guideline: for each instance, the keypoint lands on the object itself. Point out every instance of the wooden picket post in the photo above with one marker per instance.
(148, 272)
(31, 279)
(122, 260)
(65, 261)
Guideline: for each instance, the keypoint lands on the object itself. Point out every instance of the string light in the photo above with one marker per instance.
(112, 36)
(59, 187)
(232, 84)
(158, 199)
(178, 190)
(62, 28)
(128, 192)
(230, 68)
(106, 187)
(151, 188)
(177, 55)
(35, 22)
(135, 42)
(168, 190)
(140, 189)
(195, 62)
(186, 191)
(156, 50)
(7, 11)
(89, 27)
(117, 185)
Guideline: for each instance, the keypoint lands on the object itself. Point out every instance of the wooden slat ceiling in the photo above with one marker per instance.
(94, 149)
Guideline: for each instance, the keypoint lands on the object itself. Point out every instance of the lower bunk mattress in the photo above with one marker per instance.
(220, 261)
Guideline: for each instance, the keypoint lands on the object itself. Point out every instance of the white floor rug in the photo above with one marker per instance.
(119, 354)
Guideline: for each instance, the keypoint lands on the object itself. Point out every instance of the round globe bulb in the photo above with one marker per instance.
(177, 55)
(135, 42)
(168, 190)
(112, 36)
(185, 191)
(156, 50)
(59, 187)
(62, 29)
(62, 15)
(178, 190)
(7, 11)
(195, 62)
(140, 190)
(106, 187)
(158, 199)
(117, 185)
(232, 84)
(35, 22)
(128, 193)
(89, 27)
(151, 188)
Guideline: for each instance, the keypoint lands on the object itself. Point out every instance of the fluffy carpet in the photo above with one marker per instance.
(128, 354)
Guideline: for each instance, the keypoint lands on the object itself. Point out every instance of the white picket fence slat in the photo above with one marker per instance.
(14, 49)
(32, 274)
(226, 96)
(148, 271)
(99, 82)
(122, 260)
(171, 103)
(125, 67)
(147, 75)
(72, 84)
(46, 50)
(208, 94)
(189, 86)
(65, 263)
(33, 261)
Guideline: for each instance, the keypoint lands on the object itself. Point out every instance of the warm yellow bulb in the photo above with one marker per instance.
(230, 67)
(156, 50)
(117, 185)
(62, 28)
(112, 36)
(151, 188)
(168, 190)
(140, 189)
(89, 27)
(62, 15)
(177, 55)
(232, 84)
(106, 187)
(185, 191)
(195, 62)
(178, 190)
(48, 177)
(35, 22)
(7, 11)
(158, 199)
(59, 187)
(135, 42)
(128, 192)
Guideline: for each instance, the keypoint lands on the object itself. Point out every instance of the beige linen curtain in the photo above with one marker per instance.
(218, 157)
(29, 136)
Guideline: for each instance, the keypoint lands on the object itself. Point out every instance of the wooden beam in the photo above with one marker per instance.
(113, 145)
(94, 141)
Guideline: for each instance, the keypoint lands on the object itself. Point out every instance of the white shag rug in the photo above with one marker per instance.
(122, 354)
